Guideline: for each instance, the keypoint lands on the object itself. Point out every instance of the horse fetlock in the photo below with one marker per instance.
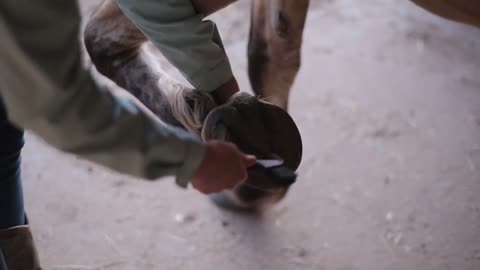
(190, 108)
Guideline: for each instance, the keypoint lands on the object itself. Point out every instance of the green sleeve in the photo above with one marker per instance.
(46, 89)
(191, 44)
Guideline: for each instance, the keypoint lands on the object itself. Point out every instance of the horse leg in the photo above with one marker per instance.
(274, 47)
(273, 61)
(464, 11)
(113, 43)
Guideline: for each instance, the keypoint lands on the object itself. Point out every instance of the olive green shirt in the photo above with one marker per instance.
(46, 89)
(191, 44)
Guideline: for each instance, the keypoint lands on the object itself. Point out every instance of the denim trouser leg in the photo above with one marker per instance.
(11, 198)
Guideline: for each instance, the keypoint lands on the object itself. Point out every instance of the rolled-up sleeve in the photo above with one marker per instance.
(46, 90)
(191, 44)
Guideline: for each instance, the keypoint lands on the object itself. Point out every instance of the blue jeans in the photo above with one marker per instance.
(11, 196)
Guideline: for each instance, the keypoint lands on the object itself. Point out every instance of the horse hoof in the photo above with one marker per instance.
(261, 129)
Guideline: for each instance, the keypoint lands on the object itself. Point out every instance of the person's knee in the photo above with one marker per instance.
(11, 202)
(11, 144)
(10, 162)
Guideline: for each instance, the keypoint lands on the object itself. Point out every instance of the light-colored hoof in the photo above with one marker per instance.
(261, 129)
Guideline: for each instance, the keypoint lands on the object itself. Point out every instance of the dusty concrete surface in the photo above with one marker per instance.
(388, 103)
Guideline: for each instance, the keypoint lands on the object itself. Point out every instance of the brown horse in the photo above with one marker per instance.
(274, 47)
(114, 45)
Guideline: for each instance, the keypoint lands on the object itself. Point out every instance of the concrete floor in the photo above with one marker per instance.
(388, 103)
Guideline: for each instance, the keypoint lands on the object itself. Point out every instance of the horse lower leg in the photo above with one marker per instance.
(274, 47)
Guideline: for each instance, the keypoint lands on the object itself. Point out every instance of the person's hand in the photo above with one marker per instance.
(223, 167)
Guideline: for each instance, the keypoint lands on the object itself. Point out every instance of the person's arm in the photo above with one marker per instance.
(191, 44)
(46, 90)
